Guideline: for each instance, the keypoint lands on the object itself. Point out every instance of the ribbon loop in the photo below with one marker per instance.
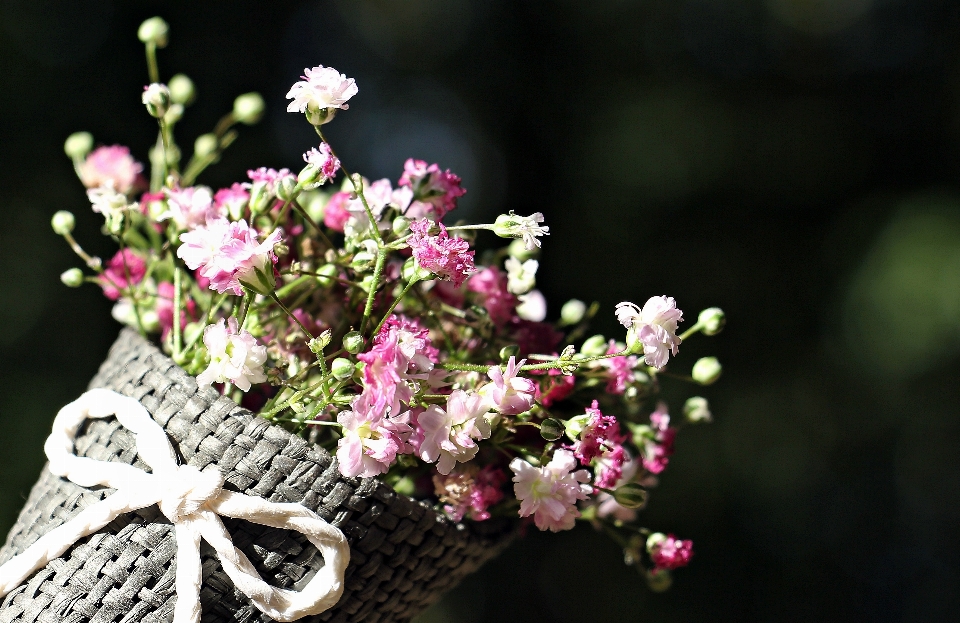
(191, 499)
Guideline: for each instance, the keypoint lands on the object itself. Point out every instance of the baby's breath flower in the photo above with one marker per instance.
(322, 92)
(528, 228)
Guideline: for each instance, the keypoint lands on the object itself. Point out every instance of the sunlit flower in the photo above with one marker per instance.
(191, 207)
(449, 436)
(654, 327)
(229, 255)
(322, 91)
(235, 356)
(448, 258)
(434, 192)
(508, 393)
(550, 493)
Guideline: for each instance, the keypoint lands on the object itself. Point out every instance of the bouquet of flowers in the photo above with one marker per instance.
(353, 313)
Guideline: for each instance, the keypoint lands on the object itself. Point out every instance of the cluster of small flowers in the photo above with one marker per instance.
(355, 317)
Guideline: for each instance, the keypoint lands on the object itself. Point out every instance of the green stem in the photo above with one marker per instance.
(463, 367)
(152, 70)
(277, 300)
(695, 328)
(553, 364)
(377, 273)
(393, 305)
(177, 304)
(357, 188)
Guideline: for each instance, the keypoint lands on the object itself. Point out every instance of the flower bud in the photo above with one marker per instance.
(707, 370)
(400, 225)
(411, 271)
(659, 580)
(630, 495)
(287, 188)
(326, 275)
(182, 90)
(518, 249)
(353, 342)
(634, 344)
(342, 369)
(551, 429)
(655, 539)
(572, 311)
(78, 145)
(173, 114)
(594, 346)
(697, 410)
(362, 261)
(155, 31)
(156, 97)
(72, 278)
(575, 425)
(62, 222)
(205, 145)
(509, 351)
(309, 176)
(712, 320)
(248, 108)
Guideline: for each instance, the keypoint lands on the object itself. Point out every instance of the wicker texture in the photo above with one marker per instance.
(403, 553)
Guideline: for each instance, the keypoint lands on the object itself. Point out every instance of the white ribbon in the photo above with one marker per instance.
(189, 498)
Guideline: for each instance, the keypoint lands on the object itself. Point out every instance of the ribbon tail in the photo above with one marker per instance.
(189, 576)
(60, 539)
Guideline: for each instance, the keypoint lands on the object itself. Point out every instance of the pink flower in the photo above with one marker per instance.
(448, 436)
(654, 327)
(110, 164)
(322, 91)
(266, 180)
(191, 207)
(620, 368)
(448, 258)
(235, 356)
(555, 387)
(401, 355)
(607, 505)
(508, 393)
(600, 435)
(324, 160)
(124, 269)
(550, 493)
(370, 441)
(658, 444)
(491, 284)
(231, 200)
(469, 495)
(336, 214)
(435, 192)
(164, 309)
(668, 552)
(228, 254)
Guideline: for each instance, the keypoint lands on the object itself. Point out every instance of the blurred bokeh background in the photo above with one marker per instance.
(795, 162)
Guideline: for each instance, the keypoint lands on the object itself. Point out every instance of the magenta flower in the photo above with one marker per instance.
(669, 552)
(491, 284)
(191, 207)
(620, 369)
(435, 192)
(124, 269)
(600, 435)
(322, 91)
(658, 444)
(231, 200)
(464, 495)
(555, 387)
(324, 160)
(335, 213)
(112, 164)
(508, 393)
(654, 327)
(550, 493)
(448, 258)
(228, 254)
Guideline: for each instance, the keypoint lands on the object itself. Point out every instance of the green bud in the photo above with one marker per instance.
(574, 426)
(78, 145)
(712, 320)
(173, 114)
(707, 370)
(509, 351)
(260, 280)
(572, 311)
(342, 369)
(62, 222)
(72, 277)
(319, 116)
(309, 176)
(314, 202)
(658, 580)
(353, 342)
(248, 108)
(205, 145)
(154, 30)
(182, 90)
(630, 495)
(326, 275)
(696, 409)
(411, 271)
(156, 97)
(320, 342)
(287, 189)
(551, 429)
(634, 344)
(655, 539)
(363, 260)
(400, 225)
(518, 249)
(594, 346)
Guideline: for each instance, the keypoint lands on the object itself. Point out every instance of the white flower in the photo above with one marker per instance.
(190, 207)
(521, 276)
(533, 306)
(654, 328)
(449, 435)
(550, 493)
(512, 225)
(322, 91)
(235, 356)
(111, 204)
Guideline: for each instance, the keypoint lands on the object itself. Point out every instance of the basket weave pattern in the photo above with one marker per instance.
(403, 553)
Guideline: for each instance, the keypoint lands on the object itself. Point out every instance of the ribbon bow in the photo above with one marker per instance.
(189, 498)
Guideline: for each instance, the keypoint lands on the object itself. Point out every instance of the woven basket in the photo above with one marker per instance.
(404, 555)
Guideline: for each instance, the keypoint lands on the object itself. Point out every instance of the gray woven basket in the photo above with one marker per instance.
(404, 555)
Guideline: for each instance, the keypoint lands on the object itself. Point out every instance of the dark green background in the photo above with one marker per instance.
(792, 161)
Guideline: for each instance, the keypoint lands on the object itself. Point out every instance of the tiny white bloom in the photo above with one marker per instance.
(521, 276)
(533, 306)
(235, 356)
(111, 204)
(322, 91)
(512, 225)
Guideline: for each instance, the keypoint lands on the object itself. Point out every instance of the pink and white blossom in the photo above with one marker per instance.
(450, 436)
(235, 356)
(435, 192)
(513, 225)
(550, 493)
(491, 284)
(231, 201)
(112, 164)
(448, 258)
(521, 276)
(533, 306)
(469, 493)
(324, 161)
(111, 204)
(371, 441)
(620, 369)
(657, 445)
(654, 327)
(126, 268)
(322, 91)
(191, 207)
(508, 393)
(229, 255)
